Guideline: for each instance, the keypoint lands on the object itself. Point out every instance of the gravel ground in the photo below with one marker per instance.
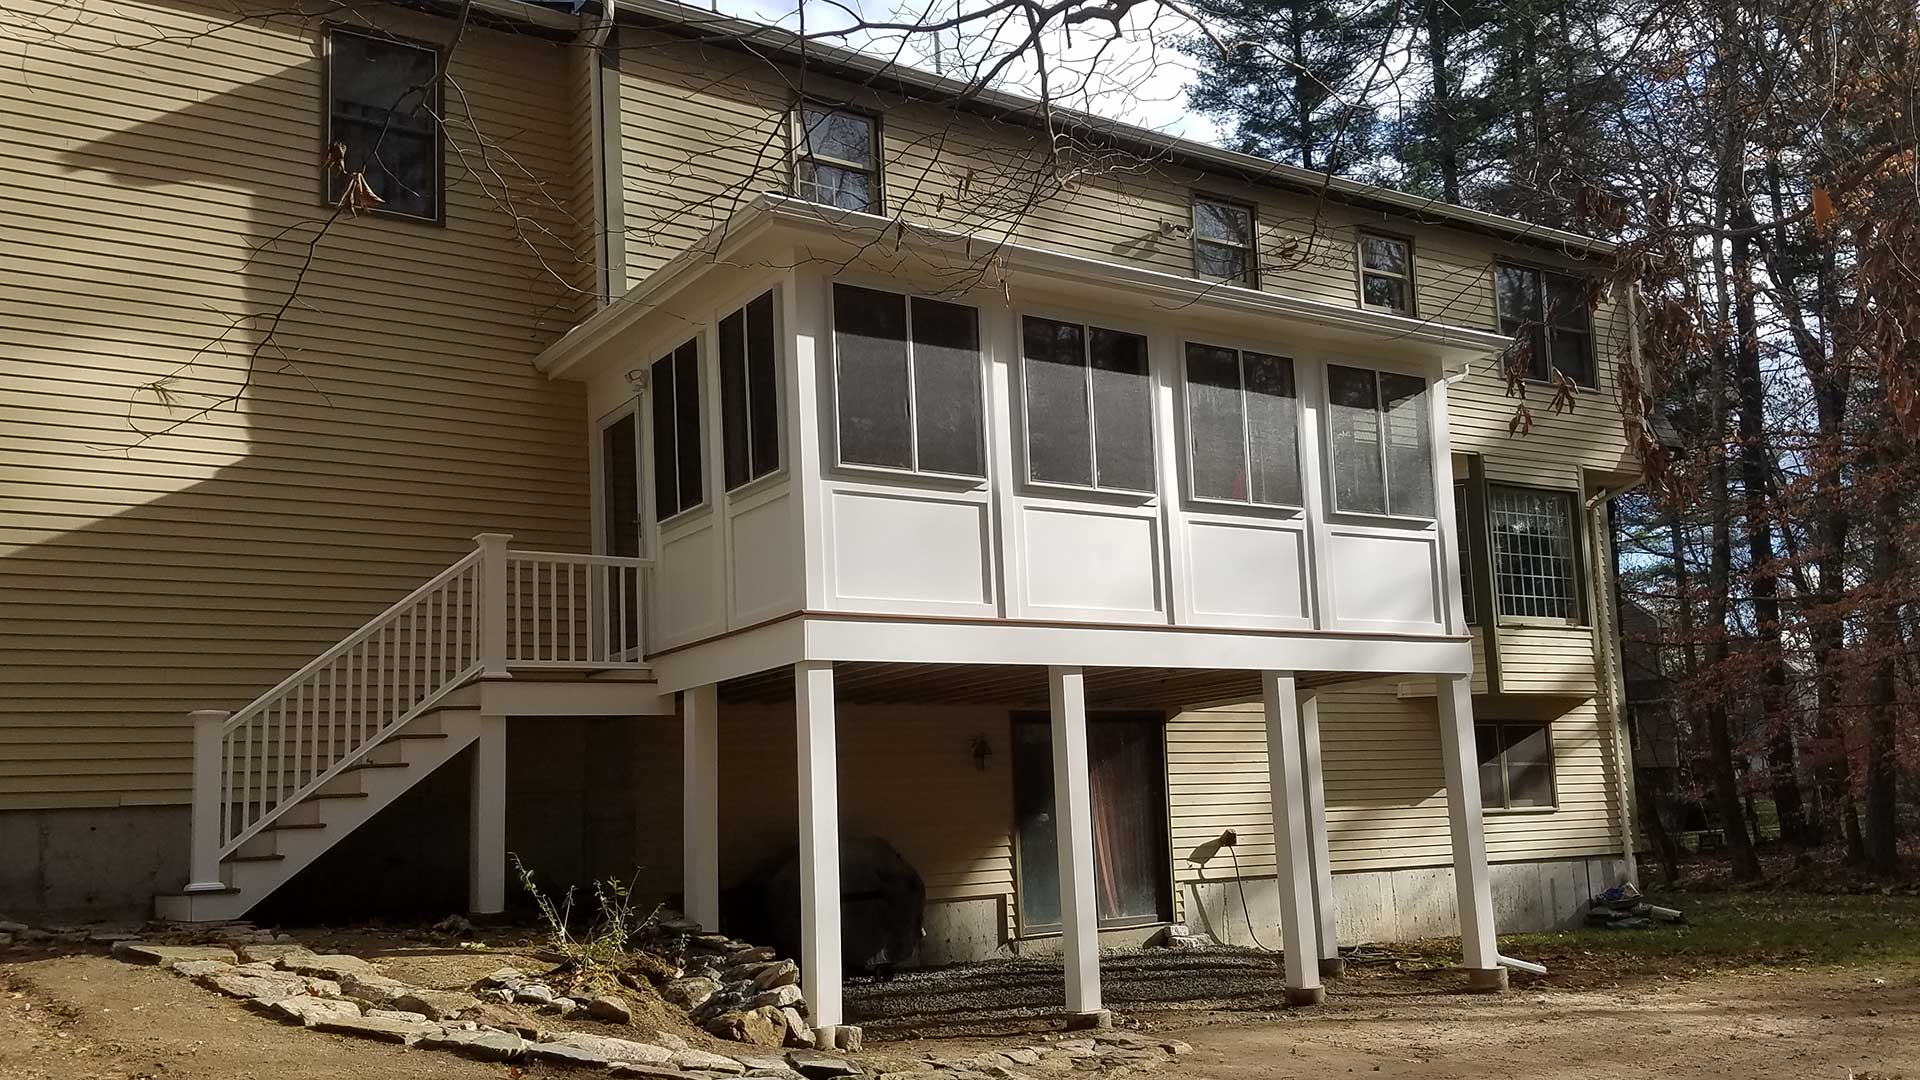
(1010, 995)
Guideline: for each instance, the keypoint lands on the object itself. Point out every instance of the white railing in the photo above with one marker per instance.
(493, 609)
(574, 611)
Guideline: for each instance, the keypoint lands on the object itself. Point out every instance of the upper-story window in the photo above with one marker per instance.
(1386, 273)
(1223, 245)
(383, 106)
(749, 392)
(1534, 562)
(1089, 406)
(1380, 428)
(1551, 313)
(907, 382)
(836, 158)
(677, 459)
(1243, 426)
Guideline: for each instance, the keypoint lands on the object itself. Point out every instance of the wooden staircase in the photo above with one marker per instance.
(497, 634)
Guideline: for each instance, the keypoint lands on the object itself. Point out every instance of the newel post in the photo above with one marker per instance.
(493, 604)
(203, 856)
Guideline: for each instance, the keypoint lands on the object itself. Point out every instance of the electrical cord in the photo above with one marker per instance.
(1240, 882)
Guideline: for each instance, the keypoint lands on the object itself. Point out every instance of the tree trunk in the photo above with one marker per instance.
(1446, 125)
(1756, 476)
(1883, 690)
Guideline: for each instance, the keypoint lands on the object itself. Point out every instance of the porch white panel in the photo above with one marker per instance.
(1248, 573)
(763, 561)
(689, 586)
(1091, 562)
(910, 550)
(1385, 580)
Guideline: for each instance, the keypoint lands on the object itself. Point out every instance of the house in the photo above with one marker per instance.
(706, 451)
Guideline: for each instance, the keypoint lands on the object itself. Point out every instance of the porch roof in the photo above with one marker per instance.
(837, 237)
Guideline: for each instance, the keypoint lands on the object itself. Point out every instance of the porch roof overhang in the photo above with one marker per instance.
(828, 236)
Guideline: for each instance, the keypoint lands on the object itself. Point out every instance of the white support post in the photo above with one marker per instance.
(209, 802)
(700, 804)
(487, 805)
(1331, 966)
(819, 844)
(493, 604)
(1073, 822)
(1294, 863)
(1460, 759)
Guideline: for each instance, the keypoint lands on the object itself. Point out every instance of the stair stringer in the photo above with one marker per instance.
(251, 882)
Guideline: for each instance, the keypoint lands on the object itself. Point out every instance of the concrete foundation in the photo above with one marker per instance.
(1399, 905)
(95, 864)
(961, 930)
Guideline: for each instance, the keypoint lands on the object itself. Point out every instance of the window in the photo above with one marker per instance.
(675, 386)
(1089, 406)
(1386, 273)
(383, 104)
(1533, 553)
(1462, 517)
(1516, 766)
(1223, 241)
(1552, 315)
(1243, 426)
(907, 382)
(1382, 442)
(835, 159)
(749, 393)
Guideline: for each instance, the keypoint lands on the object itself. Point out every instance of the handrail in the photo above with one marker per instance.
(491, 609)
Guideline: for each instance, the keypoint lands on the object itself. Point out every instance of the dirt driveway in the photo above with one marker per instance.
(88, 1017)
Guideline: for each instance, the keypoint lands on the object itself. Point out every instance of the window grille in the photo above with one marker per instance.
(1533, 548)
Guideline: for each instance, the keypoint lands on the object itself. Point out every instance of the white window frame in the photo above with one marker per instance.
(981, 336)
(436, 103)
(703, 340)
(1301, 456)
(1252, 248)
(1360, 262)
(1086, 322)
(802, 152)
(779, 385)
(1436, 444)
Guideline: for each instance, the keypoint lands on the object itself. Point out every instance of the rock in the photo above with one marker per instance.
(271, 954)
(846, 1038)
(561, 1007)
(260, 988)
(6, 939)
(404, 1015)
(1175, 1047)
(764, 1026)
(454, 924)
(499, 994)
(511, 978)
(534, 994)
(1022, 1055)
(437, 1004)
(481, 1045)
(403, 1032)
(194, 969)
(509, 1019)
(610, 1049)
(705, 1062)
(819, 1066)
(690, 994)
(307, 1010)
(140, 952)
(652, 969)
(373, 989)
(7, 927)
(651, 1072)
(767, 1066)
(759, 955)
(780, 997)
(671, 1041)
(798, 1032)
(608, 1009)
(335, 966)
(767, 976)
(110, 937)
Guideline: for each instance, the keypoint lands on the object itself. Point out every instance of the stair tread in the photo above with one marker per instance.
(375, 765)
(231, 890)
(337, 795)
(282, 826)
(255, 858)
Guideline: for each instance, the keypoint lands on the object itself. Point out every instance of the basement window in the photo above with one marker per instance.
(1381, 431)
(1516, 766)
(749, 392)
(677, 473)
(907, 383)
(1089, 409)
(383, 106)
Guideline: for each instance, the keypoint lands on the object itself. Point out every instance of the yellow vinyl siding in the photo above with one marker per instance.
(159, 179)
(1386, 797)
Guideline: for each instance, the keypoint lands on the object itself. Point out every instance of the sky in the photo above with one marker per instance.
(1137, 77)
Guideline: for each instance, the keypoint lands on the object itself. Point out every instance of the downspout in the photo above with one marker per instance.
(608, 215)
